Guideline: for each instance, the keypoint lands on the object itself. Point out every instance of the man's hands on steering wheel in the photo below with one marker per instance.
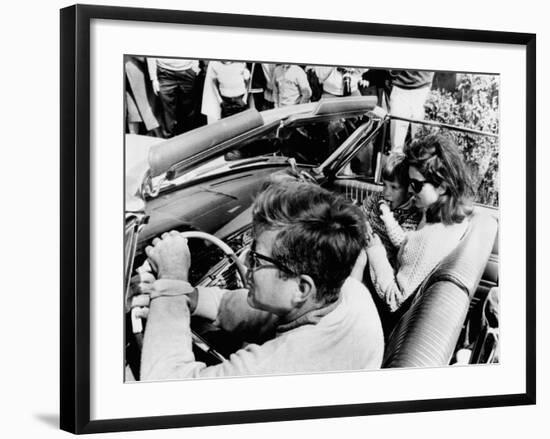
(169, 256)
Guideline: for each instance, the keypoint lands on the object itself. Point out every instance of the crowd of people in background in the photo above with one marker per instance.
(169, 96)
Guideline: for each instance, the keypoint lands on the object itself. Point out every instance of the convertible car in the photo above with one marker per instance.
(203, 183)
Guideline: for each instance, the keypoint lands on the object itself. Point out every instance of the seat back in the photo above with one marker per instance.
(427, 333)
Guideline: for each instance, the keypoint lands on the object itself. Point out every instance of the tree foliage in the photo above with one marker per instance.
(474, 104)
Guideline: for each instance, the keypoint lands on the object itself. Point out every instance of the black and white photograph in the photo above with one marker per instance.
(286, 219)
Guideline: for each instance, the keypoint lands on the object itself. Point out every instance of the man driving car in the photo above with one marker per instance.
(304, 310)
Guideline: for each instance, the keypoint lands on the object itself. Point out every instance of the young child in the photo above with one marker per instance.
(231, 80)
(392, 212)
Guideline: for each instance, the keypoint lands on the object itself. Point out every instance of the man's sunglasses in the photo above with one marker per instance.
(417, 185)
(255, 261)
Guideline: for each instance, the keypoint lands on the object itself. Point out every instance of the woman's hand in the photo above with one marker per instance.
(374, 241)
(372, 238)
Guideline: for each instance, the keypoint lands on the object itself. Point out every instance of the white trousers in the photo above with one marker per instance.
(405, 103)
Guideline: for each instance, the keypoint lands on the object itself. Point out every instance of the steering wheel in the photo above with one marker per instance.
(137, 325)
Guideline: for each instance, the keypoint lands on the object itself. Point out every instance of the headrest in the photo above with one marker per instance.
(467, 261)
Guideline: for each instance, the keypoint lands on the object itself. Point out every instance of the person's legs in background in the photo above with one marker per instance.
(419, 98)
(133, 119)
(140, 100)
(168, 94)
(185, 119)
(405, 103)
(399, 106)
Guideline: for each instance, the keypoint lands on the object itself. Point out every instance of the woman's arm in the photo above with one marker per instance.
(421, 252)
(383, 276)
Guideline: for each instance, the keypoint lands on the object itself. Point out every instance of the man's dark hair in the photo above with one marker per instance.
(320, 234)
(438, 159)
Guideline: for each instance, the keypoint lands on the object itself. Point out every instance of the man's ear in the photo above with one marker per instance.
(306, 289)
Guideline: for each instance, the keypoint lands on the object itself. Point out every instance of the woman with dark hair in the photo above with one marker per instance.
(442, 190)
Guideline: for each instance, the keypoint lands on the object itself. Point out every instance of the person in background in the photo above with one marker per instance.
(378, 83)
(290, 85)
(173, 80)
(225, 89)
(231, 80)
(301, 309)
(140, 99)
(199, 119)
(339, 81)
(267, 70)
(261, 89)
(409, 91)
(443, 192)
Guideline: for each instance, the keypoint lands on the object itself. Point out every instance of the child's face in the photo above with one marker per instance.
(394, 193)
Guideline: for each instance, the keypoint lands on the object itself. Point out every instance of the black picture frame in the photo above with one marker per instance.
(75, 217)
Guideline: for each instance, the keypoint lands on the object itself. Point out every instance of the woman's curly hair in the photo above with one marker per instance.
(438, 159)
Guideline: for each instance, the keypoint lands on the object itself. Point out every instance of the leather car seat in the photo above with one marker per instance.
(427, 333)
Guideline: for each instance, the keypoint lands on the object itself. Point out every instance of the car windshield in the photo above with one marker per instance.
(480, 153)
(309, 142)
